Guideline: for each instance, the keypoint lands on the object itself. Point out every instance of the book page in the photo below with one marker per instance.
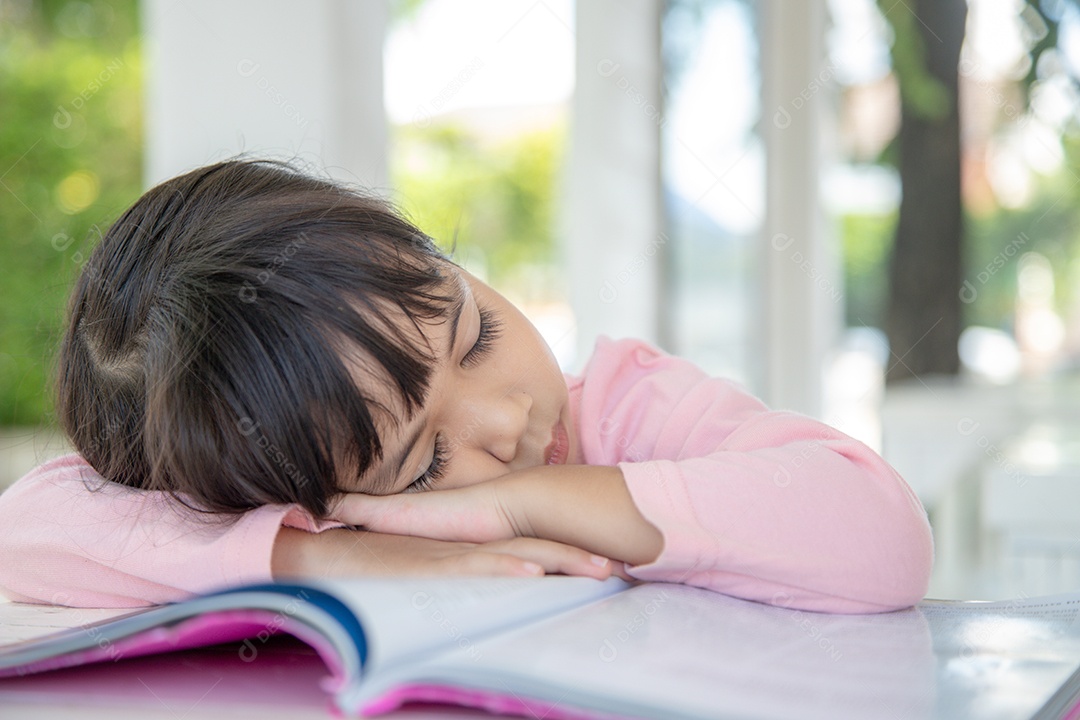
(24, 621)
(670, 651)
(406, 617)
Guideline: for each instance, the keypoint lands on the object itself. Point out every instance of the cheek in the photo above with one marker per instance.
(471, 466)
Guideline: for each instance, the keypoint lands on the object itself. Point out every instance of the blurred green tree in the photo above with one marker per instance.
(492, 203)
(70, 162)
(923, 315)
(922, 255)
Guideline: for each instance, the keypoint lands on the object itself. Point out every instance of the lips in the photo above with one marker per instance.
(557, 452)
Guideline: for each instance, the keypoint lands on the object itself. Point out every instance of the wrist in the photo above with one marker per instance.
(556, 500)
(588, 506)
(332, 552)
(514, 496)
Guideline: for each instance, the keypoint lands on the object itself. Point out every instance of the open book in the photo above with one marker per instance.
(562, 647)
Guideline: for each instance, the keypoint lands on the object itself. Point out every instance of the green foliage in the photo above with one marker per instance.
(995, 243)
(1042, 27)
(1049, 225)
(70, 158)
(866, 241)
(493, 204)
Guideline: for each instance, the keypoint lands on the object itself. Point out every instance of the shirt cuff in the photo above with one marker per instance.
(247, 558)
(658, 490)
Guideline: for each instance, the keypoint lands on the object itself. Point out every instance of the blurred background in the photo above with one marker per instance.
(864, 211)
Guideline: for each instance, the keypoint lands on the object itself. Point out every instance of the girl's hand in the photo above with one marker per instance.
(584, 506)
(479, 513)
(356, 553)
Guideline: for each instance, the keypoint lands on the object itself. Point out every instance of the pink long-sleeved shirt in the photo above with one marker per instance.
(769, 506)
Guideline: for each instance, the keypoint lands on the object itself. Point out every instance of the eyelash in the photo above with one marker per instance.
(435, 469)
(490, 328)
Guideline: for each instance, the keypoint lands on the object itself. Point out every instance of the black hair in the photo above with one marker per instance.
(216, 333)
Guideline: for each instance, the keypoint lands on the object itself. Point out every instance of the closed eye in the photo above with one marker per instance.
(490, 329)
(434, 471)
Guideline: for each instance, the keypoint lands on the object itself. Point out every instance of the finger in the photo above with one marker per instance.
(618, 569)
(492, 563)
(556, 557)
(355, 508)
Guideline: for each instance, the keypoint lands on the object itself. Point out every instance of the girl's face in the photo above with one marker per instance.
(497, 402)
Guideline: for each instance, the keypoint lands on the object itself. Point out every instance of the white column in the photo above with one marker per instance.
(612, 222)
(802, 302)
(286, 79)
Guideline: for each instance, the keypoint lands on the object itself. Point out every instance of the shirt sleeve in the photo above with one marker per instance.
(67, 537)
(764, 505)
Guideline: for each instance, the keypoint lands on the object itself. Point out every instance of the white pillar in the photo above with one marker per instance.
(802, 303)
(287, 79)
(612, 222)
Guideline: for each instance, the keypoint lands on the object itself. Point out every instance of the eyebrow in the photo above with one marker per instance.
(384, 482)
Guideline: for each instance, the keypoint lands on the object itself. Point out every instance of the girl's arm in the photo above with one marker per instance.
(68, 538)
(587, 506)
(342, 552)
(769, 506)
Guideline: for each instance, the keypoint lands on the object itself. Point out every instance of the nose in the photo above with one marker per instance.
(504, 421)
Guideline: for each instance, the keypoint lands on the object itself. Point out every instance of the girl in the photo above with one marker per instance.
(259, 363)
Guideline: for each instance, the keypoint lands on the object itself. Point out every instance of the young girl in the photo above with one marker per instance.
(268, 375)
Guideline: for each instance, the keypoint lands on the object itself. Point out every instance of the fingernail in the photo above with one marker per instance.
(600, 561)
(533, 568)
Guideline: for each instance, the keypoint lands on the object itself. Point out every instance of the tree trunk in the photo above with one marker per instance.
(923, 320)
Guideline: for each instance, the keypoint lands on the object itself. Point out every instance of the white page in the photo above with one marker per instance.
(404, 617)
(24, 621)
(672, 651)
